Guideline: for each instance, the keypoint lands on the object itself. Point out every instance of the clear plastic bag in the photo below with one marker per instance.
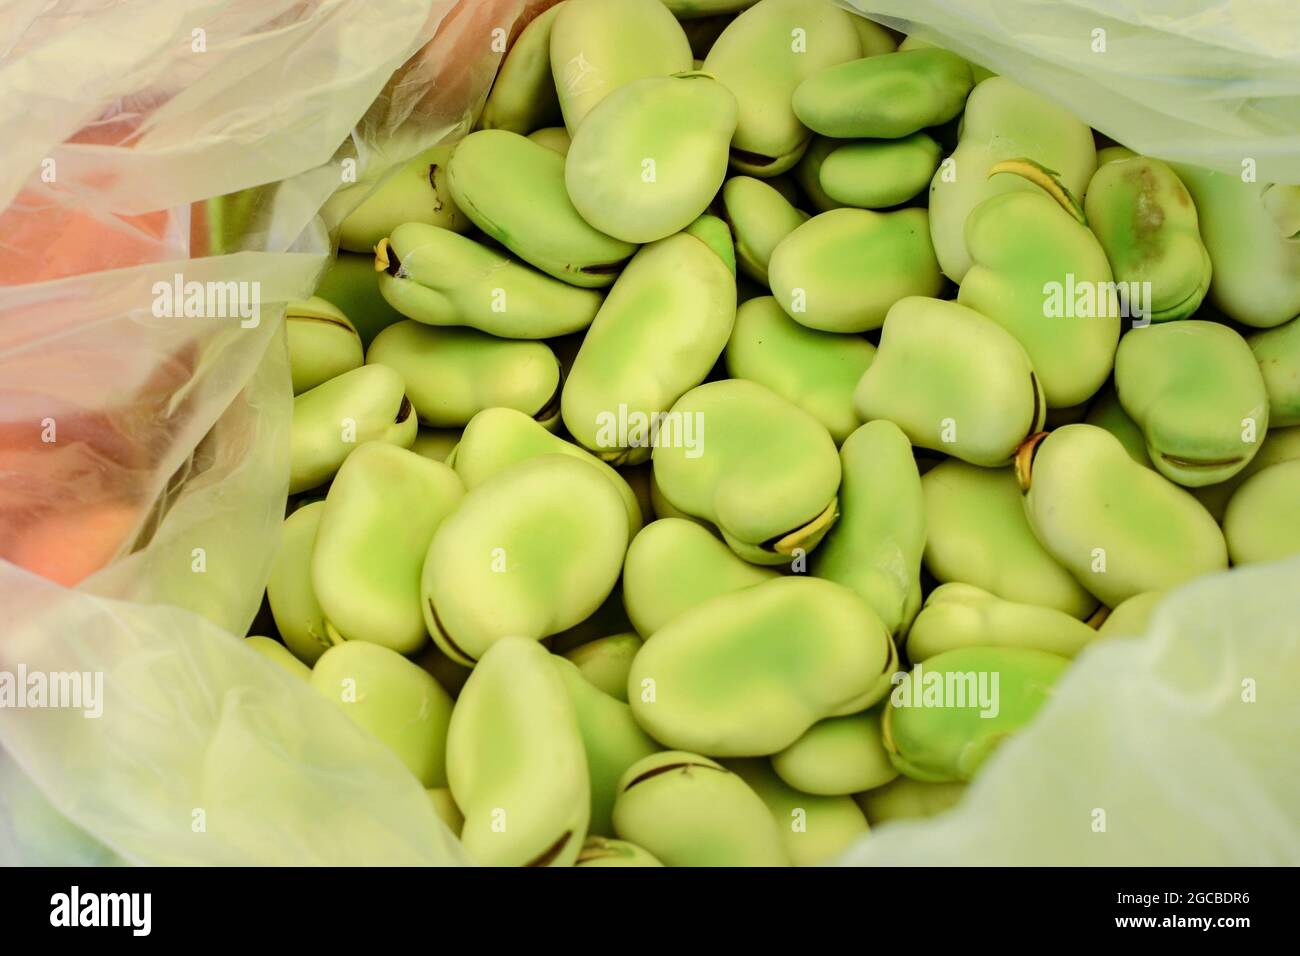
(1211, 84)
(143, 460)
(170, 436)
(1178, 748)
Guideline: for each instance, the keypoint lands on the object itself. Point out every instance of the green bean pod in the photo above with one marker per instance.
(762, 57)
(415, 192)
(1002, 121)
(908, 799)
(688, 810)
(1106, 412)
(763, 470)
(394, 700)
(953, 710)
(747, 673)
(841, 271)
(606, 661)
(1279, 445)
(523, 96)
(876, 547)
(1197, 393)
(875, 174)
(649, 159)
(1041, 274)
(953, 381)
(1146, 221)
(887, 96)
(379, 517)
(298, 615)
(658, 334)
(1262, 520)
(456, 373)
(839, 755)
(513, 189)
(515, 761)
(530, 552)
(322, 343)
(610, 737)
(598, 46)
(334, 418)
(815, 829)
(1119, 528)
(1277, 351)
(1251, 231)
(759, 217)
(977, 533)
(498, 437)
(817, 371)
(961, 615)
(440, 278)
(674, 565)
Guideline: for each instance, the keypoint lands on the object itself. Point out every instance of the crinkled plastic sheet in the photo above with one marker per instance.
(1178, 748)
(143, 460)
(1204, 83)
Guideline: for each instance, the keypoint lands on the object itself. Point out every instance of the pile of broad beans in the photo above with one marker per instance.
(728, 444)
